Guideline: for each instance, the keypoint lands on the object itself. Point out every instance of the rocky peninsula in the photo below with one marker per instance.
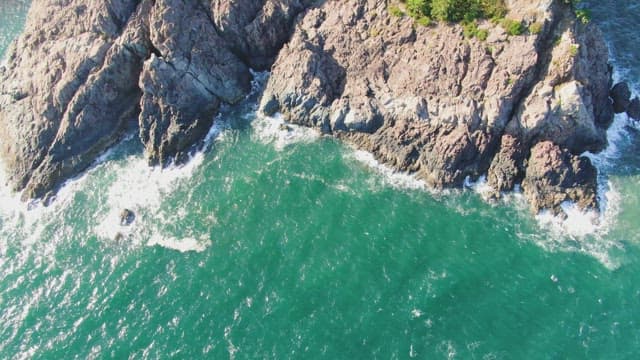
(423, 98)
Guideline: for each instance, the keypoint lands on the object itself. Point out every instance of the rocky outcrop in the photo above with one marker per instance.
(83, 71)
(429, 101)
(620, 94)
(424, 100)
(554, 176)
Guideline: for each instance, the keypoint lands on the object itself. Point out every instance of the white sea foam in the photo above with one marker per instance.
(182, 245)
(480, 186)
(142, 189)
(274, 130)
(390, 177)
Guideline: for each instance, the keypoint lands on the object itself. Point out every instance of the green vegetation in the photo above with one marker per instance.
(456, 10)
(424, 21)
(535, 28)
(513, 27)
(471, 30)
(395, 11)
(573, 50)
(465, 11)
(584, 15)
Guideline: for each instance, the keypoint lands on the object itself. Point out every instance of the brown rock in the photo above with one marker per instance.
(554, 176)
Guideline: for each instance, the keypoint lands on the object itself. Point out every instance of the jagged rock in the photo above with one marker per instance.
(620, 94)
(554, 176)
(428, 101)
(507, 168)
(75, 91)
(633, 110)
(127, 217)
(83, 71)
(421, 99)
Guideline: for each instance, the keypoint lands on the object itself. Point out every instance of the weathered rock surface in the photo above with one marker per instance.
(421, 99)
(83, 71)
(428, 101)
(620, 94)
(554, 176)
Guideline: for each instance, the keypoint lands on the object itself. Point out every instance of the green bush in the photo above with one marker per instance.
(494, 9)
(395, 11)
(471, 30)
(584, 15)
(535, 28)
(513, 27)
(457, 10)
(418, 8)
(424, 21)
(482, 34)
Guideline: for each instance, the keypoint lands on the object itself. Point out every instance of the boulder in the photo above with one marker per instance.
(127, 217)
(620, 94)
(554, 176)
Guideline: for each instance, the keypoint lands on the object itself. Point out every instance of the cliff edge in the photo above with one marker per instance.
(423, 99)
(432, 101)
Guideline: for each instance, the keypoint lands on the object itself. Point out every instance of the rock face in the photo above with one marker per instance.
(421, 99)
(554, 175)
(83, 71)
(428, 101)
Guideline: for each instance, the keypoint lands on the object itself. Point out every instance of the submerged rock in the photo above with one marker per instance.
(127, 217)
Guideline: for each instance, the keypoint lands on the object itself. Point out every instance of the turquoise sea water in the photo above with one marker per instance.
(272, 244)
(12, 16)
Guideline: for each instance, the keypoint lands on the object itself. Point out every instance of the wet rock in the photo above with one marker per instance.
(554, 176)
(127, 217)
(620, 94)
(634, 109)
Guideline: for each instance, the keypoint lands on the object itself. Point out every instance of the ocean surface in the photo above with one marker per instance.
(277, 245)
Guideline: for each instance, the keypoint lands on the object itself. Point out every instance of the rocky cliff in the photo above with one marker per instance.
(422, 99)
(83, 72)
(429, 100)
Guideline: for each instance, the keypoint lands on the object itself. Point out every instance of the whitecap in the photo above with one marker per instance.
(274, 130)
(391, 177)
(182, 245)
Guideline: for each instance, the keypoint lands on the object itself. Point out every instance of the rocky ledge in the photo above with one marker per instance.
(422, 99)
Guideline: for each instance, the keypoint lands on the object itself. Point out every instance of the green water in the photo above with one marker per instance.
(12, 17)
(288, 245)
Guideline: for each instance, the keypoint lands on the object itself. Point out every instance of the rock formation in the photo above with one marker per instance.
(83, 71)
(422, 99)
(429, 101)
